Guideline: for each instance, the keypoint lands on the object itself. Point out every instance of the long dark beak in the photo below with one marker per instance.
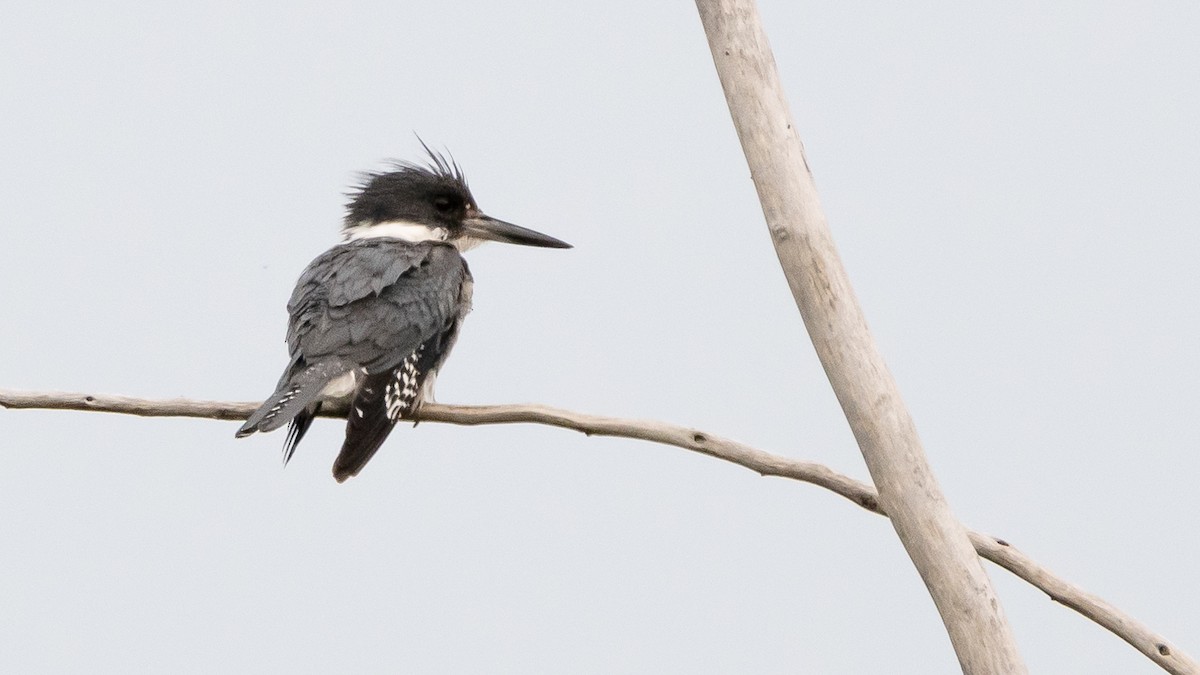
(487, 227)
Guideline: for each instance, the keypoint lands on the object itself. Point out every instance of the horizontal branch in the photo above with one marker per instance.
(1154, 646)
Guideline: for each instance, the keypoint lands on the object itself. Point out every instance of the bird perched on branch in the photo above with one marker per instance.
(374, 317)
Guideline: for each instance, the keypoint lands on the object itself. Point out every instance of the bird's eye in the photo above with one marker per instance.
(443, 204)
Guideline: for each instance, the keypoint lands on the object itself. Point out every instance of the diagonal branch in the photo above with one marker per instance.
(1138, 635)
(936, 542)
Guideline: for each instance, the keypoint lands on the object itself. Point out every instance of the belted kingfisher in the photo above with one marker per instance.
(374, 317)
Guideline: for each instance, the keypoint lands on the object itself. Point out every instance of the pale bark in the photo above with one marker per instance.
(1154, 646)
(932, 536)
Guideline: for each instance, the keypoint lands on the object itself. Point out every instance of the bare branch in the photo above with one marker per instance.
(1137, 634)
(935, 540)
(1154, 646)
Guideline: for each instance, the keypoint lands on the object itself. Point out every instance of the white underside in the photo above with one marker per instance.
(341, 386)
(427, 388)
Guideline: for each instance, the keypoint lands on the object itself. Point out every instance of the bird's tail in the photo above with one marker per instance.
(298, 427)
(295, 395)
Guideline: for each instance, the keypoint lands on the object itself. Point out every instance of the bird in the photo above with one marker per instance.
(373, 318)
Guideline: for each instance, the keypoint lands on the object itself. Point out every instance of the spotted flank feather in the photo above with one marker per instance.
(382, 401)
(401, 392)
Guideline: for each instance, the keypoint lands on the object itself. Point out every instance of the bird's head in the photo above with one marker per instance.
(429, 203)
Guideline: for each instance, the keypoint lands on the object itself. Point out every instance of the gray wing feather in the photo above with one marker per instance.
(301, 389)
(372, 302)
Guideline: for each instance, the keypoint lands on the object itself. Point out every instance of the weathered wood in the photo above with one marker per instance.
(886, 435)
(1154, 646)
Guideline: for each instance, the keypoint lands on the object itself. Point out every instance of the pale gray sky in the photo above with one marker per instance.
(1013, 189)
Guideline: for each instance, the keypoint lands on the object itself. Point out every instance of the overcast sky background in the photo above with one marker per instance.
(1013, 190)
